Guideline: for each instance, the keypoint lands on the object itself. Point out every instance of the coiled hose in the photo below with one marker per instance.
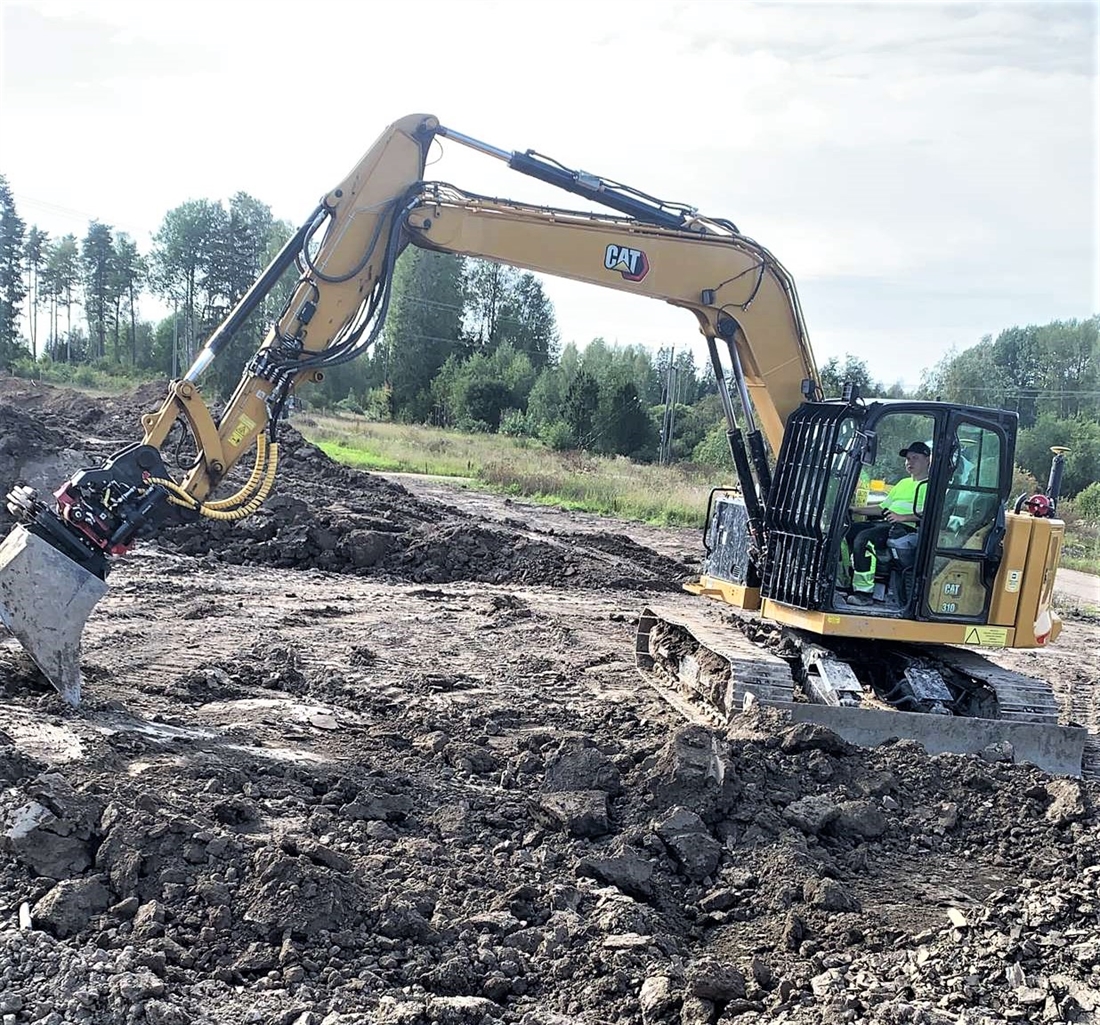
(246, 501)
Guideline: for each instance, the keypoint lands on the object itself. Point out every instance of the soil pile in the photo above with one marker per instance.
(475, 874)
(322, 515)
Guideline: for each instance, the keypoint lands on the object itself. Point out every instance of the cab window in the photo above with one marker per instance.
(973, 490)
(895, 431)
(839, 464)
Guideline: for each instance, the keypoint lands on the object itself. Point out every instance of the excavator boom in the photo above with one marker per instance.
(736, 289)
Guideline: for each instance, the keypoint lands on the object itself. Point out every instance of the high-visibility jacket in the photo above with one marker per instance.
(904, 498)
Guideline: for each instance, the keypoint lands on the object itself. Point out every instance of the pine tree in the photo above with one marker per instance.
(582, 401)
(423, 328)
(12, 289)
(534, 330)
(128, 276)
(97, 258)
(61, 281)
(34, 256)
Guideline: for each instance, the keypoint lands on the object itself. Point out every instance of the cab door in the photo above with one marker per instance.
(969, 519)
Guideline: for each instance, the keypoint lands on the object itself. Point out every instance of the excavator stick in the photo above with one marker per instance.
(45, 600)
(710, 672)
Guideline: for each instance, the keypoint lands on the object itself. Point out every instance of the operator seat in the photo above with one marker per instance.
(903, 558)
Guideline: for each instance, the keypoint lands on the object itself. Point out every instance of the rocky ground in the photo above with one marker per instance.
(381, 755)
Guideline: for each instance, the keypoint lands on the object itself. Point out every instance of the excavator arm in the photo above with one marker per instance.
(344, 254)
(742, 298)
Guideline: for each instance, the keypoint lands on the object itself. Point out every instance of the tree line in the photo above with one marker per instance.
(1049, 374)
(471, 345)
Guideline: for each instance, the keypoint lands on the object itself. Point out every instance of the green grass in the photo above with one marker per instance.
(668, 496)
(1081, 550)
(367, 459)
(398, 448)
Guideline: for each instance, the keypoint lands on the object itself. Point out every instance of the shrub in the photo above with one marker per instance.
(1087, 502)
(350, 404)
(470, 425)
(714, 449)
(558, 436)
(514, 423)
(1022, 483)
(85, 377)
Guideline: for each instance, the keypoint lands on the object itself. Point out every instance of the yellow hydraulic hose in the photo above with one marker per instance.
(260, 497)
(177, 496)
(249, 488)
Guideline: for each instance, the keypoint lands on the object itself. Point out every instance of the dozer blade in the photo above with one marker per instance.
(708, 670)
(45, 599)
(1058, 750)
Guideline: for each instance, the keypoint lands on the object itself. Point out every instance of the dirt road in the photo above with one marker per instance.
(310, 786)
(1082, 587)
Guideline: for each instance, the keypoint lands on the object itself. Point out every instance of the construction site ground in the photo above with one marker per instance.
(381, 754)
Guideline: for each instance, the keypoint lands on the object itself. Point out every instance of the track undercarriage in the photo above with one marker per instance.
(711, 665)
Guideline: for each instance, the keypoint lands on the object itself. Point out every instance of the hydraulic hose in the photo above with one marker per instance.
(253, 482)
(214, 511)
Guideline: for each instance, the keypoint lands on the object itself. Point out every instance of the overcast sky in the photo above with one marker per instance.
(928, 173)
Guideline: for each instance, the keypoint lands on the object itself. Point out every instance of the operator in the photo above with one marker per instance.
(901, 510)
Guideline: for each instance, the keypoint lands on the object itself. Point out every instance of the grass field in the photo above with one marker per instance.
(1082, 547)
(670, 496)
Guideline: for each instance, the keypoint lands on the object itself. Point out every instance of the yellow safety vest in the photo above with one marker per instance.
(902, 495)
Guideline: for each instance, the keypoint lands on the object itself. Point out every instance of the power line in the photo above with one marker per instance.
(1027, 393)
(76, 215)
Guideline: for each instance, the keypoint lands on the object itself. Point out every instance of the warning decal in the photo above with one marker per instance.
(987, 636)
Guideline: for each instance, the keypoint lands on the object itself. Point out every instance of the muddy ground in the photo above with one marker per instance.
(382, 755)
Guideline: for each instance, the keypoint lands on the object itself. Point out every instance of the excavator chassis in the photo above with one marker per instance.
(711, 667)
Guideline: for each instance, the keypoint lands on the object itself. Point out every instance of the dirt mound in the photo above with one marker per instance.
(474, 875)
(331, 517)
(323, 515)
(36, 453)
(116, 418)
(25, 438)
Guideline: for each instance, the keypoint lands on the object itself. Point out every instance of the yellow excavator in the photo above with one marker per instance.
(897, 658)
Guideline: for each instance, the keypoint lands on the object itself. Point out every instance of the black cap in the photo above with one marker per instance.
(916, 446)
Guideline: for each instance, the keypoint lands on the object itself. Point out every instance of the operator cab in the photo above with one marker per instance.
(840, 457)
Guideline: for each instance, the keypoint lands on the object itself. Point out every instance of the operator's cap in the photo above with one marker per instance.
(916, 446)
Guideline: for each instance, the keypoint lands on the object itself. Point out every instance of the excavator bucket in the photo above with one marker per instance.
(45, 599)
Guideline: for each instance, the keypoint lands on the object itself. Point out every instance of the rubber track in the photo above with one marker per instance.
(690, 654)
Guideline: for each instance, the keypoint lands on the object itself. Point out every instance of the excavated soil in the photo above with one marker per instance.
(381, 755)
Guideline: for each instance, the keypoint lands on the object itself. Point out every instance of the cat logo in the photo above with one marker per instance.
(633, 264)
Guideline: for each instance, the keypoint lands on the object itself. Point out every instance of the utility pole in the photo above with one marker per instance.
(666, 436)
(675, 389)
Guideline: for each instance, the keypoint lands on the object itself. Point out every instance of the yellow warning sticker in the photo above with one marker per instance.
(244, 426)
(1013, 581)
(987, 636)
